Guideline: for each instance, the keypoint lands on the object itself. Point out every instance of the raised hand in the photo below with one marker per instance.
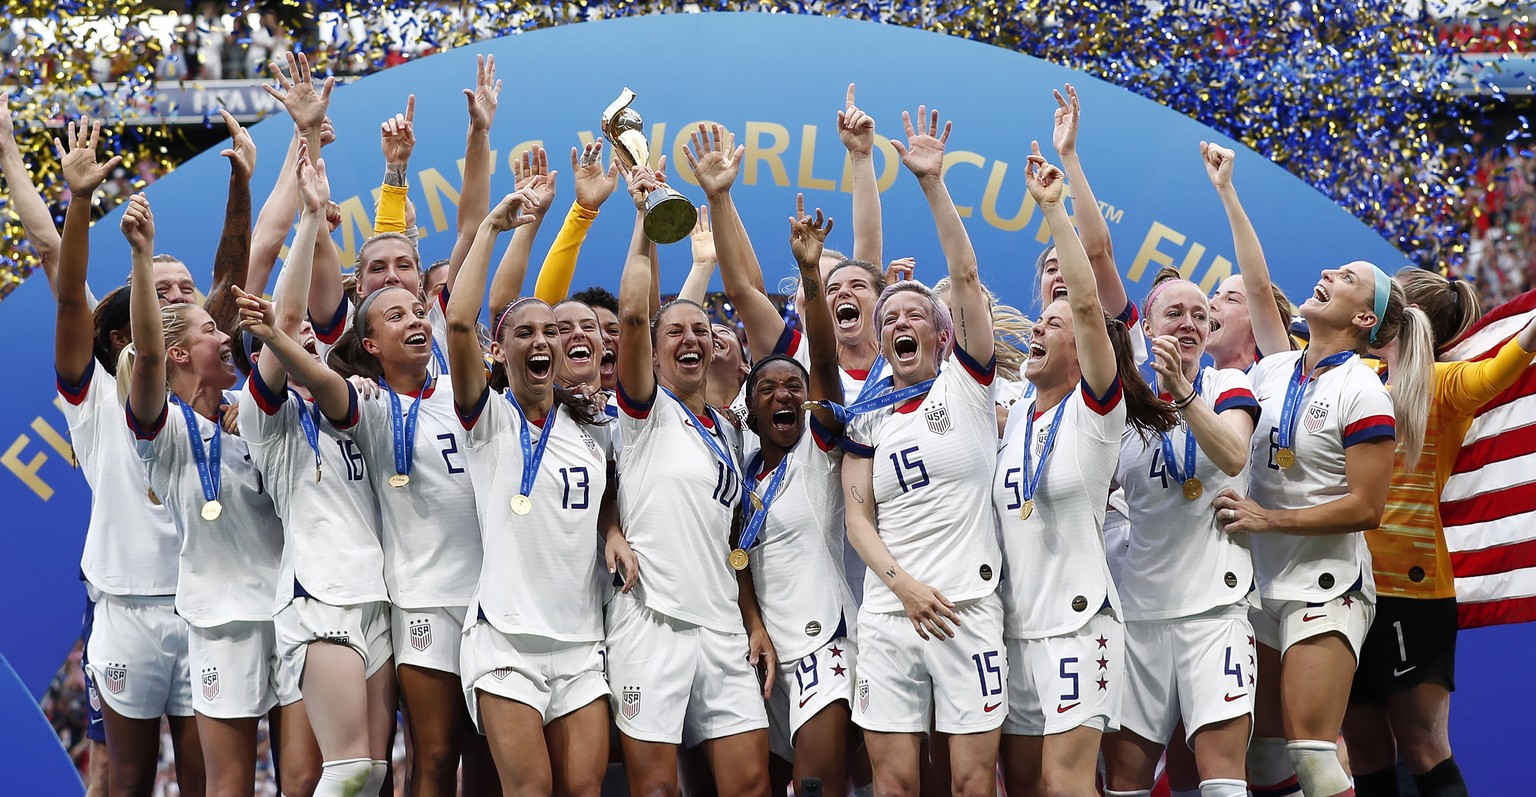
(855, 128)
(296, 91)
(138, 224)
(923, 152)
(807, 234)
(77, 160)
(1218, 164)
(397, 134)
(242, 150)
(514, 210)
(900, 269)
(532, 172)
(482, 98)
(1169, 369)
(257, 315)
(7, 128)
(1068, 111)
(640, 182)
(1044, 180)
(714, 157)
(333, 216)
(327, 133)
(594, 184)
(314, 186)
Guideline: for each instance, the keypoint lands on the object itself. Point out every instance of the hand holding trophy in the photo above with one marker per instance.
(669, 216)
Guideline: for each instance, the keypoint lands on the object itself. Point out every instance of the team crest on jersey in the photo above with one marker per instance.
(90, 691)
(421, 634)
(1317, 414)
(629, 702)
(863, 694)
(938, 419)
(591, 445)
(501, 673)
(210, 683)
(116, 678)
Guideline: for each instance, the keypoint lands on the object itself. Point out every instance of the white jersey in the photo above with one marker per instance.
(131, 545)
(328, 331)
(431, 535)
(1056, 576)
(797, 565)
(1178, 561)
(931, 471)
(331, 549)
(676, 504)
(228, 565)
(1345, 406)
(542, 573)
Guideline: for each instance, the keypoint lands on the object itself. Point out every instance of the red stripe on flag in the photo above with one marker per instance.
(1489, 506)
(1513, 610)
(1495, 560)
(1498, 448)
(1524, 303)
(1524, 386)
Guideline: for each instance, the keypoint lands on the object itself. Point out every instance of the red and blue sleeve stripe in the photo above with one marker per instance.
(788, 342)
(267, 399)
(639, 410)
(151, 431)
(856, 448)
(981, 373)
(1105, 403)
(468, 419)
(1238, 398)
(825, 439)
(73, 393)
(328, 332)
(352, 414)
(442, 300)
(1370, 429)
(1130, 315)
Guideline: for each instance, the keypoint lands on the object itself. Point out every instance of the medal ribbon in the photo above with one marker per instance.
(709, 439)
(532, 455)
(881, 396)
(760, 516)
(873, 384)
(1189, 445)
(207, 461)
(1032, 479)
(307, 423)
(1296, 389)
(405, 434)
(437, 354)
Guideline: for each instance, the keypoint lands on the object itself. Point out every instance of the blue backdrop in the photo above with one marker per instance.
(776, 80)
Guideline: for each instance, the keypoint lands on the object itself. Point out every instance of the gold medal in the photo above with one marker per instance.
(399, 480)
(521, 505)
(1028, 509)
(1285, 458)
(757, 502)
(1193, 489)
(738, 559)
(809, 405)
(153, 499)
(317, 473)
(212, 510)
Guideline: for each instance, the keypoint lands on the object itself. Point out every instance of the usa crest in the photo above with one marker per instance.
(501, 673)
(629, 702)
(210, 683)
(863, 694)
(421, 634)
(90, 691)
(116, 678)
(1317, 414)
(938, 419)
(591, 445)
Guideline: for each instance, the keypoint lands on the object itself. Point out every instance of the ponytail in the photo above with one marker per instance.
(1413, 377)
(1451, 306)
(1144, 411)
(348, 357)
(124, 372)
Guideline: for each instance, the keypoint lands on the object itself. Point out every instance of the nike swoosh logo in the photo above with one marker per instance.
(991, 708)
(1065, 709)
(1230, 698)
(1396, 673)
(1307, 618)
(807, 699)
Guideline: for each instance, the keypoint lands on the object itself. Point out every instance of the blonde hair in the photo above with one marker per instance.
(1009, 327)
(175, 321)
(1451, 306)
(1414, 375)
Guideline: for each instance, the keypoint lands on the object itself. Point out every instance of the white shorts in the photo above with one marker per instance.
(363, 628)
(552, 677)
(236, 670)
(137, 657)
(1281, 624)
(804, 687)
(1069, 681)
(962, 682)
(1200, 669)
(428, 638)
(675, 682)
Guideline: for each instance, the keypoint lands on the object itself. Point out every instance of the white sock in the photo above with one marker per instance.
(343, 778)
(1317, 768)
(1222, 787)
(376, 771)
(1269, 762)
(1137, 793)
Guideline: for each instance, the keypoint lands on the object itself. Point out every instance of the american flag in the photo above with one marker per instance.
(1488, 507)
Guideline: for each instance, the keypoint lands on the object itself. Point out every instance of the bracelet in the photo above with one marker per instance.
(1188, 400)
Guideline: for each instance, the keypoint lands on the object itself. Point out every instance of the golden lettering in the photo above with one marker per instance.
(989, 202)
(27, 471)
(356, 226)
(772, 155)
(435, 186)
(808, 181)
(1220, 269)
(965, 157)
(1149, 252)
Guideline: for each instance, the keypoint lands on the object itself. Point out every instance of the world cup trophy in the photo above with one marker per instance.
(669, 216)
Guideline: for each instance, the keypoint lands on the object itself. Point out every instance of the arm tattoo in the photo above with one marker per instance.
(812, 288)
(394, 174)
(855, 490)
(890, 572)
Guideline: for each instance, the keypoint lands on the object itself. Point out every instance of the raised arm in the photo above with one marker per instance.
(233, 256)
(716, 160)
(702, 243)
(1224, 436)
(1092, 230)
(26, 201)
(397, 137)
(531, 172)
(636, 377)
(594, 185)
(1270, 331)
(464, 353)
(295, 89)
(146, 387)
(475, 194)
(292, 297)
(73, 343)
(272, 223)
(807, 236)
(857, 131)
(1095, 352)
(923, 154)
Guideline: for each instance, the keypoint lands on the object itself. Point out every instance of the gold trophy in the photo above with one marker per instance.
(669, 216)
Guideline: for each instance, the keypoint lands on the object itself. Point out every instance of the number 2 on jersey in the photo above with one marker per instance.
(450, 447)
(906, 466)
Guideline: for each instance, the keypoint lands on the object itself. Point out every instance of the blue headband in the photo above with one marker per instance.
(1383, 292)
